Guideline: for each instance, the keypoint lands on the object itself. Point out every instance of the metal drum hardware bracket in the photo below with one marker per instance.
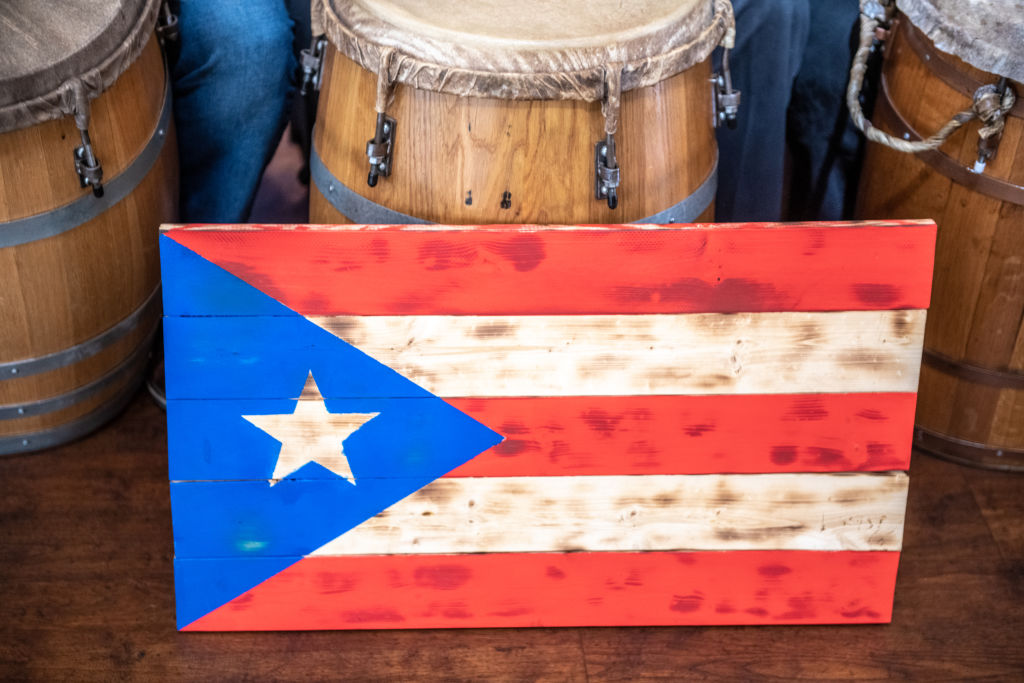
(606, 171)
(725, 100)
(311, 60)
(379, 149)
(88, 167)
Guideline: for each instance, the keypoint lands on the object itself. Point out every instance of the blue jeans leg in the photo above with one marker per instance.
(232, 73)
(770, 39)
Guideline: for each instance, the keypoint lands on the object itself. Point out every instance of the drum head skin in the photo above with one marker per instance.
(987, 34)
(529, 49)
(52, 48)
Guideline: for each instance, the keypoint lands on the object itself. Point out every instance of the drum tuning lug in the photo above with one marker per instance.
(987, 104)
(311, 60)
(606, 172)
(379, 149)
(88, 167)
(725, 100)
(880, 12)
(166, 24)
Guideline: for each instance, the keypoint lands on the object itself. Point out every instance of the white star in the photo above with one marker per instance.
(311, 434)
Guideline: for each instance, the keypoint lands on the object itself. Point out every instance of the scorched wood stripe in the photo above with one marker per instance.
(565, 514)
(546, 589)
(542, 270)
(460, 356)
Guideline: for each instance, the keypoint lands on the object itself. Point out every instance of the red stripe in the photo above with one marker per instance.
(591, 589)
(692, 434)
(818, 267)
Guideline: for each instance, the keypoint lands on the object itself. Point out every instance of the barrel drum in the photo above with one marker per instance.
(500, 117)
(971, 397)
(79, 270)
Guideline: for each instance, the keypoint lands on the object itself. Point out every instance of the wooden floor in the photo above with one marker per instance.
(86, 586)
(86, 592)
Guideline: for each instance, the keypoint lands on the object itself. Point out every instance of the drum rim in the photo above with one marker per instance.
(510, 74)
(957, 41)
(27, 106)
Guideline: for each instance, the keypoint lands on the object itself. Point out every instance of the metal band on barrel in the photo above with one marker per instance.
(90, 347)
(359, 209)
(134, 361)
(355, 207)
(87, 207)
(887, 114)
(48, 438)
(966, 452)
(693, 206)
(1000, 379)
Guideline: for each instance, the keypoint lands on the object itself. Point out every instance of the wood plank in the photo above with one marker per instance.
(540, 589)
(582, 435)
(621, 513)
(693, 434)
(463, 356)
(862, 511)
(703, 353)
(317, 270)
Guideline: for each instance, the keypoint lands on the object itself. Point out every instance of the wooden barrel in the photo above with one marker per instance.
(971, 398)
(79, 273)
(508, 146)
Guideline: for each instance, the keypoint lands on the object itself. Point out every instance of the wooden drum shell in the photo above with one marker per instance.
(971, 397)
(456, 157)
(59, 291)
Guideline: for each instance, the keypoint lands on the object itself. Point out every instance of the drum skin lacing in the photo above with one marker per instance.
(990, 105)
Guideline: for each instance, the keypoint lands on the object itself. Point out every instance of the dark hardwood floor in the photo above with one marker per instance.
(86, 592)
(86, 585)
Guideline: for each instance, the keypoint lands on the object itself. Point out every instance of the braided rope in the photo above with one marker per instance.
(988, 106)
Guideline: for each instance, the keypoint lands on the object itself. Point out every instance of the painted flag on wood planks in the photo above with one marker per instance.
(428, 426)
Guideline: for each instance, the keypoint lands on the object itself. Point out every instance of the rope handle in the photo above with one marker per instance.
(989, 106)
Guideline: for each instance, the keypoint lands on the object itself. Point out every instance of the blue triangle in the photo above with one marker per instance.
(195, 286)
(220, 368)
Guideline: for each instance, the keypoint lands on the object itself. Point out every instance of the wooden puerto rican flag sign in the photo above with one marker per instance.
(433, 426)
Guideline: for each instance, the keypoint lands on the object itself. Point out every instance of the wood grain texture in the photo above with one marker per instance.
(455, 157)
(859, 351)
(502, 270)
(541, 589)
(87, 589)
(978, 296)
(658, 512)
(63, 290)
(643, 354)
(692, 434)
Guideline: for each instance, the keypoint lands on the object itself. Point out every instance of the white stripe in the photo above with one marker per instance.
(624, 355)
(638, 513)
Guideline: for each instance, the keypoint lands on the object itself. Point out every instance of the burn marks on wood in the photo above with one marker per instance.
(722, 294)
(783, 455)
(877, 295)
(442, 254)
(686, 603)
(525, 251)
(442, 576)
(657, 513)
(654, 354)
